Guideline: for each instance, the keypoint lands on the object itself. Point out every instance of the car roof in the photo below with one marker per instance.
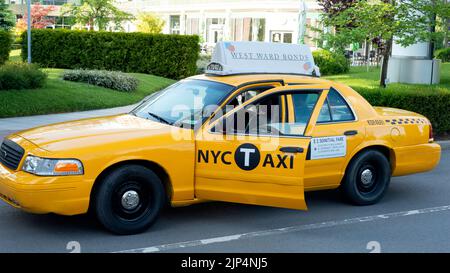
(241, 79)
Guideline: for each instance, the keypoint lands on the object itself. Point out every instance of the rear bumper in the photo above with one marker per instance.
(66, 195)
(416, 158)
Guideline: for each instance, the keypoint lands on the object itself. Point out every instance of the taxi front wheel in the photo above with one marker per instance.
(129, 199)
(367, 178)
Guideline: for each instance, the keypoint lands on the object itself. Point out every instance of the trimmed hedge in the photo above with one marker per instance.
(21, 76)
(330, 63)
(443, 54)
(109, 79)
(170, 56)
(5, 45)
(435, 106)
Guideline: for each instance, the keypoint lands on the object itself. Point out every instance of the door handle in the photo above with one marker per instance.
(351, 133)
(291, 150)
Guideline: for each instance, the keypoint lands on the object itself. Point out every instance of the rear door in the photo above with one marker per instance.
(335, 135)
(255, 154)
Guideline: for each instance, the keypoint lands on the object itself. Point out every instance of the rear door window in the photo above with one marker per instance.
(335, 109)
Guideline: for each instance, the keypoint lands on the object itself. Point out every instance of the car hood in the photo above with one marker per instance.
(94, 131)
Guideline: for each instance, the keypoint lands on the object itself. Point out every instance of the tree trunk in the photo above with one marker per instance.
(446, 32)
(432, 30)
(384, 66)
(91, 24)
(367, 49)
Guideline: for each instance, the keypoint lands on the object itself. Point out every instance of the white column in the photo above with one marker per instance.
(202, 26)
(226, 28)
(182, 22)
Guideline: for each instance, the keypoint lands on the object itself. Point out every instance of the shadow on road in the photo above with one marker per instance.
(202, 213)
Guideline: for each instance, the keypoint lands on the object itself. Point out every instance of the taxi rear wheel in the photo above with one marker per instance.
(367, 178)
(129, 199)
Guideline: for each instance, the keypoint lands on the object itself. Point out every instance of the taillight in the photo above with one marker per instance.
(430, 136)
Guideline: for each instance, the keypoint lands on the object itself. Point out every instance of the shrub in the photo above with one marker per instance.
(5, 45)
(108, 79)
(170, 56)
(330, 63)
(21, 76)
(202, 63)
(434, 105)
(443, 54)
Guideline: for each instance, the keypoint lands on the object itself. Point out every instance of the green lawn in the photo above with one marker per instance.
(58, 96)
(14, 55)
(359, 79)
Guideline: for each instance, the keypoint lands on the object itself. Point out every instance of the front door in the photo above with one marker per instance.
(255, 154)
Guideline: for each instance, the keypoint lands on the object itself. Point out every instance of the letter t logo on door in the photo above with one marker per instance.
(247, 155)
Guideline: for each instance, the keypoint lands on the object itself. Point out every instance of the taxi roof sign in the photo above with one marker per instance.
(231, 58)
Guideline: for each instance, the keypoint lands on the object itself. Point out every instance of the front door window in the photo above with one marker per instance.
(265, 116)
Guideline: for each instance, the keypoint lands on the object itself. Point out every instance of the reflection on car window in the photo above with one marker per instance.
(324, 115)
(248, 94)
(241, 98)
(340, 111)
(185, 102)
(265, 116)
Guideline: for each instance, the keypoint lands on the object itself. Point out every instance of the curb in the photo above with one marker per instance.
(445, 144)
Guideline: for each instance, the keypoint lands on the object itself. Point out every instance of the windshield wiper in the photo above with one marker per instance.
(160, 118)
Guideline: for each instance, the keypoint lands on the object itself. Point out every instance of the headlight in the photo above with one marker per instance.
(52, 167)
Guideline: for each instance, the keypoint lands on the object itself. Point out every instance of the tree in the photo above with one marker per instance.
(446, 29)
(7, 19)
(149, 23)
(334, 7)
(97, 13)
(39, 18)
(331, 9)
(408, 21)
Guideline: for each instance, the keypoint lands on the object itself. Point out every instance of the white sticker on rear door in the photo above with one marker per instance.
(328, 147)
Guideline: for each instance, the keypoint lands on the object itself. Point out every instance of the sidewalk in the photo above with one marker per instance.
(22, 123)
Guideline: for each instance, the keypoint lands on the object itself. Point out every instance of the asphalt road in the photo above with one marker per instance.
(414, 216)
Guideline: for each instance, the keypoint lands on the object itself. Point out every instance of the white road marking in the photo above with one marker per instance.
(276, 231)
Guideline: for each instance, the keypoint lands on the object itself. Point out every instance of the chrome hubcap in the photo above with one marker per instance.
(366, 177)
(130, 200)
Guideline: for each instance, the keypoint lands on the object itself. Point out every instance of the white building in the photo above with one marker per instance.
(238, 20)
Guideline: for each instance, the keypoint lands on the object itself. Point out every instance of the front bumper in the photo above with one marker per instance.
(65, 195)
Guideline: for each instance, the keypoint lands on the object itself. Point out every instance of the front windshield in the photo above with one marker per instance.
(184, 103)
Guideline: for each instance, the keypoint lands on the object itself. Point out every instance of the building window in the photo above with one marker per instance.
(281, 37)
(174, 24)
(247, 29)
(193, 26)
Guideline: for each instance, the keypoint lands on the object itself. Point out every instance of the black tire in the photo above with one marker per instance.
(367, 178)
(116, 205)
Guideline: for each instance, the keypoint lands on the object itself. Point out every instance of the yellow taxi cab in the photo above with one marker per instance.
(258, 128)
